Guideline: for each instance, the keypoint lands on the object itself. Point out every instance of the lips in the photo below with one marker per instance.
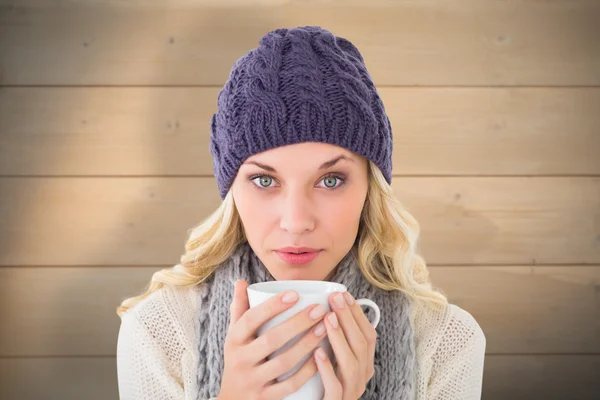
(298, 250)
(292, 257)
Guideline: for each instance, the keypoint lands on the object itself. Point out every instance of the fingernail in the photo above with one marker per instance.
(339, 300)
(321, 353)
(317, 312)
(333, 319)
(290, 297)
(349, 298)
(320, 329)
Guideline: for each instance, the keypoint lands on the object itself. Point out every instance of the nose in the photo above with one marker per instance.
(297, 213)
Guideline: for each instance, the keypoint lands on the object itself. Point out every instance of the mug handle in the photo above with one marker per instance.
(374, 306)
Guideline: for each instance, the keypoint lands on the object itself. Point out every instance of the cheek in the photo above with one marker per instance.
(255, 216)
(343, 217)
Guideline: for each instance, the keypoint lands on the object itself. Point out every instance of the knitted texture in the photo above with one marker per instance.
(157, 349)
(300, 84)
(395, 360)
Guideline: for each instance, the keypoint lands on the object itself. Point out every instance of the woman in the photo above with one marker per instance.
(302, 153)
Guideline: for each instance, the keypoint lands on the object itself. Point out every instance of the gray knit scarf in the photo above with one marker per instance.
(395, 359)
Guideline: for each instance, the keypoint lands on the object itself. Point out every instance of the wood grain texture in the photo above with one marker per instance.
(548, 377)
(144, 221)
(521, 309)
(165, 131)
(466, 42)
(93, 378)
(104, 166)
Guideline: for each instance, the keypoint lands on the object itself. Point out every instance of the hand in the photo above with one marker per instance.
(247, 373)
(352, 339)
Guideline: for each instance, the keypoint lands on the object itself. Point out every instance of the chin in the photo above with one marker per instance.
(298, 275)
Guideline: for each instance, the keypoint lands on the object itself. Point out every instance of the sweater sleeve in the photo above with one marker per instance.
(458, 361)
(154, 357)
(142, 366)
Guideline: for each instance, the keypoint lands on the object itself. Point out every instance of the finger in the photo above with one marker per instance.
(253, 318)
(331, 384)
(292, 383)
(279, 335)
(359, 316)
(343, 353)
(240, 303)
(352, 332)
(367, 330)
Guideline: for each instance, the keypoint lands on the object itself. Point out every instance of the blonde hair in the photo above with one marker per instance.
(385, 247)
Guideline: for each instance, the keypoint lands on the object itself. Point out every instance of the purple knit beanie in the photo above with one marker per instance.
(300, 84)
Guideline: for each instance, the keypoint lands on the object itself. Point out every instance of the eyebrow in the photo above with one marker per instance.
(325, 165)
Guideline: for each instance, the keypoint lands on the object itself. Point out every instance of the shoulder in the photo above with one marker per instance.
(168, 301)
(447, 336)
(449, 324)
(463, 325)
(462, 336)
(167, 317)
(460, 341)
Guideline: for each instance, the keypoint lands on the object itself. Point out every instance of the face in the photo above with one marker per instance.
(302, 195)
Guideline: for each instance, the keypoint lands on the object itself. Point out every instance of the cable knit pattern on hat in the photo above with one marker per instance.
(300, 84)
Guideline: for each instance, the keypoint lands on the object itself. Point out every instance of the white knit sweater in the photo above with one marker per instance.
(157, 351)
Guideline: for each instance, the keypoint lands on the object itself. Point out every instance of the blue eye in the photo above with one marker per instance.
(264, 181)
(333, 179)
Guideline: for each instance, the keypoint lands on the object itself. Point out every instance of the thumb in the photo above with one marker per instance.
(240, 303)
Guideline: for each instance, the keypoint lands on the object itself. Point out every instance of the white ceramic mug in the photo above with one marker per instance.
(310, 292)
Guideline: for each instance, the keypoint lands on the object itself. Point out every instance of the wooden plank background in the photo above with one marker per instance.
(104, 165)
